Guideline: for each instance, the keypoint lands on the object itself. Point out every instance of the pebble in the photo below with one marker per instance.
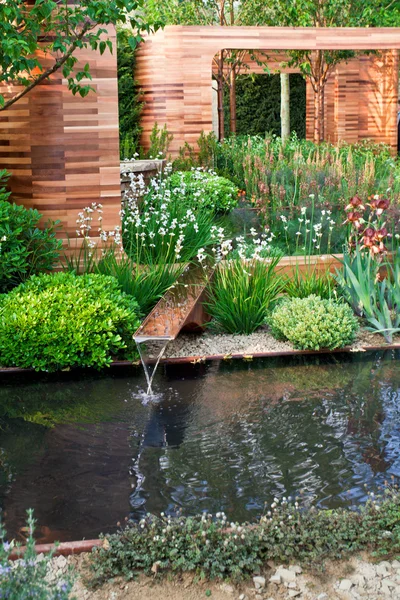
(345, 585)
(242, 597)
(322, 596)
(275, 579)
(259, 597)
(229, 589)
(259, 582)
(286, 575)
(294, 593)
(296, 569)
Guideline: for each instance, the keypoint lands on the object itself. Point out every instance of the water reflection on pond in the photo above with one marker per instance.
(87, 452)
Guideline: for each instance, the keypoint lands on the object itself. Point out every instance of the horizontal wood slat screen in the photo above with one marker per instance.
(174, 71)
(63, 150)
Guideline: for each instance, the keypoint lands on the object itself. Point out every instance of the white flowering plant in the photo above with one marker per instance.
(158, 226)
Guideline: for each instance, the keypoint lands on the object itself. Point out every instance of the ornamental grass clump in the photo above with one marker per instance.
(54, 322)
(242, 292)
(313, 323)
(30, 577)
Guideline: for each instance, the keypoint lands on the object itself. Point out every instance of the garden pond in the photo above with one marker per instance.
(86, 451)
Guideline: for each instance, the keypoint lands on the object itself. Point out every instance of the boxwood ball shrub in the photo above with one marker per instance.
(58, 321)
(204, 189)
(312, 323)
(25, 249)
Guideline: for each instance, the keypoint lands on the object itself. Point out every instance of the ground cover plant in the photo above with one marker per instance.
(59, 321)
(214, 548)
(25, 248)
(28, 577)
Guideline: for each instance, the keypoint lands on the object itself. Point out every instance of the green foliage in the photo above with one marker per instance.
(299, 186)
(59, 321)
(203, 189)
(258, 105)
(129, 99)
(301, 284)
(25, 249)
(313, 323)
(28, 33)
(28, 578)
(242, 292)
(204, 157)
(158, 228)
(146, 283)
(370, 296)
(214, 548)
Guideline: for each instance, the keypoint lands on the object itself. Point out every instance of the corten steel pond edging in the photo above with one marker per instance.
(175, 360)
(63, 549)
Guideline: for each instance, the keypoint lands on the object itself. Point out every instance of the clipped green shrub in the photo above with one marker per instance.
(312, 323)
(204, 189)
(25, 249)
(28, 577)
(58, 321)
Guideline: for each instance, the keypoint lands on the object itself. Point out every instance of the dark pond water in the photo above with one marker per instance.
(87, 452)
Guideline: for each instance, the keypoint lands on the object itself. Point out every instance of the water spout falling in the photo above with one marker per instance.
(149, 366)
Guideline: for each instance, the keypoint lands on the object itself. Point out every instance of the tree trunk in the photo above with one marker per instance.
(220, 81)
(232, 100)
(285, 107)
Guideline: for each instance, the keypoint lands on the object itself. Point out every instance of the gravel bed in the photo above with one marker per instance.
(208, 344)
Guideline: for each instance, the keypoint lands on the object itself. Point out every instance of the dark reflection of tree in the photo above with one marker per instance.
(258, 432)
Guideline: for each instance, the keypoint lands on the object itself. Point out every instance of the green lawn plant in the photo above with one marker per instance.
(302, 283)
(313, 323)
(60, 321)
(242, 292)
(28, 577)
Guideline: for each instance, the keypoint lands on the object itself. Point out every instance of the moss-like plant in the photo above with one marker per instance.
(58, 321)
(204, 189)
(312, 323)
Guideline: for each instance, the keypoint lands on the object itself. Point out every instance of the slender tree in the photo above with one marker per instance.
(40, 37)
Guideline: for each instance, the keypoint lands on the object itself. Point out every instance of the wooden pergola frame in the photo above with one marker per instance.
(174, 71)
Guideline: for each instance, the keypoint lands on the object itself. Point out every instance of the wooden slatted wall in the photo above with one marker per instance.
(63, 150)
(174, 69)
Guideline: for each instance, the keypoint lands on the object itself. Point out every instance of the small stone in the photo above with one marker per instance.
(294, 593)
(390, 583)
(296, 569)
(385, 589)
(395, 564)
(322, 596)
(292, 585)
(345, 585)
(259, 597)
(259, 582)
(382, 571)
(386, 563)
(229, 589)
(242, 597)
(358, 580)
(286, 575)
(368, 571)
(275, 579)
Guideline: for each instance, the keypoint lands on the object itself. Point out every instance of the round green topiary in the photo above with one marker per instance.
(312, 323)
(58, 321)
